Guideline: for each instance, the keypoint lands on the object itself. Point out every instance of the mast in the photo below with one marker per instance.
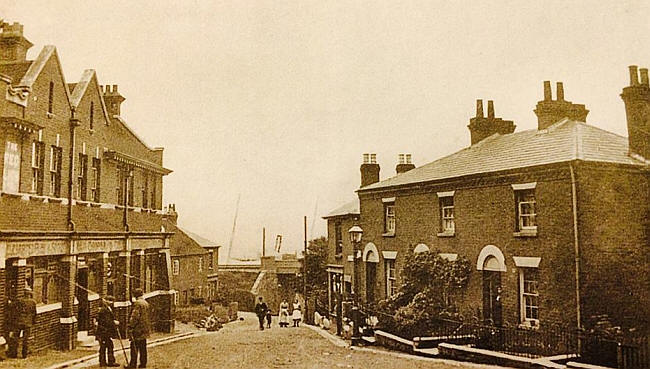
(234, 224)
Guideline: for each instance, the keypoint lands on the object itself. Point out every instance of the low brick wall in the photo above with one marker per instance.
(465, 353)
(46, 331)
(394, 342)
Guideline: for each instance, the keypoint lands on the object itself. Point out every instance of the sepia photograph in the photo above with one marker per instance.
(296, 184)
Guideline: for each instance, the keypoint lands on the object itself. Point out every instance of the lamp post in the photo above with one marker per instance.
(355, 237)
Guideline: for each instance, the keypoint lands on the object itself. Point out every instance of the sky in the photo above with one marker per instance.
(274, 102)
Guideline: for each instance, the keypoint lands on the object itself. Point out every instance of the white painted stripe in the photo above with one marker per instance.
(524, 186)
(49, 307)
(69, 320)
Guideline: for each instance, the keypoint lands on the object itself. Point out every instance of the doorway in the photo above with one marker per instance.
(83, 316)
(492, 297)
(371, 279)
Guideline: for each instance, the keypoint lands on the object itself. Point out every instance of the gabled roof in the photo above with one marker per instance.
(180, 244)
(351, 208)
(26, 77)
(564, 141)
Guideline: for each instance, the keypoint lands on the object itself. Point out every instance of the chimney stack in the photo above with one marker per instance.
(547, 91)
(481, 127)
(404, 163)
(560, 91)
(490, 109)
(551, 111)
(113, 100)
(369, 170)
(170, 213)
(13, 43)
(636, 97)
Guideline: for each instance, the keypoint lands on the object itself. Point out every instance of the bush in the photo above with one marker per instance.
(430, 284)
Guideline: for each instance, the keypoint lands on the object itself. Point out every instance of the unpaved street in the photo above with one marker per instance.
(242, 345)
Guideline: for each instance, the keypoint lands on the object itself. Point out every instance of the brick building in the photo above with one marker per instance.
(554, 220)
(194, 262)
(80, 198)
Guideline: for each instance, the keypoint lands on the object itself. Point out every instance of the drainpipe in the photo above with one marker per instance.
(576, 244)
(74, 122)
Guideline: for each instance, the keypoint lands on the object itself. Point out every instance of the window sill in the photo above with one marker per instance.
(526, 233)
(446, 234)
(530, 325)
(389, 234)
(37, 198)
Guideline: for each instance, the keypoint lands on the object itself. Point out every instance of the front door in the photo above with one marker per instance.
(371, 278)
(83, 316)
(492, 297)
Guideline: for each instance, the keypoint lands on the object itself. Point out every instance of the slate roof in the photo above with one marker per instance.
(204, 242)
(564, 141)
(351, 208)
(181, 244)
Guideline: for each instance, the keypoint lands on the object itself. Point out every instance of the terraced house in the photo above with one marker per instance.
(80, 200)
(554, 220)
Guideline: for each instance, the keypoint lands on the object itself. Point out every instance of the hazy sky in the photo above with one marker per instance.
(277, 100)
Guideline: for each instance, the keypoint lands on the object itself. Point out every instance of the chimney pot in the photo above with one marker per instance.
(401, 159)
(479, 108)
(408, 158)
(490, 109)
(644, 76)
(547, 91)
(366, 158)
(560, 91)
(634, 76)
(114, 89)
(373, 158)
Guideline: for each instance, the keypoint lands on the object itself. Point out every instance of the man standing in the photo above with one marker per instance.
(139, 328)
(260, 311)
(23, 316)
(106, 330)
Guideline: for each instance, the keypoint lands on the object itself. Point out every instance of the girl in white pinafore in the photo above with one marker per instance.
(296, 315)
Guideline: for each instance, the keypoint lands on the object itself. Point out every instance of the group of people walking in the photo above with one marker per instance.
(263, 313)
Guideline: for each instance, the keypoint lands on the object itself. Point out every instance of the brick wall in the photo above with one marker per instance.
(614, 209)
(485, 215)
(47, 330)
(189, 276)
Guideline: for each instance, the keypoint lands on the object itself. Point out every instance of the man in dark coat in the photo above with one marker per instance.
(139, 329)
(22, 314)
(260, 311)
(106, 331)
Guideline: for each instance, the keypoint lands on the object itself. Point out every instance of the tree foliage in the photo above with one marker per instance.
(429, 285)
(316, 260)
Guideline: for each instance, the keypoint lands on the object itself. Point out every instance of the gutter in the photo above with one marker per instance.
(576, 243)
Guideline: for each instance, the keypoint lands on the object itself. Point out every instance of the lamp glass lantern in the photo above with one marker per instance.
(355, 234)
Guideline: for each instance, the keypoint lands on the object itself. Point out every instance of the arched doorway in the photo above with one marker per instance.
(492, 263)
(371, 258)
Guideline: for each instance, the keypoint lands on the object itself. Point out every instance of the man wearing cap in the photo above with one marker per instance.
(106, 330)
(139, 329)
(24, 311)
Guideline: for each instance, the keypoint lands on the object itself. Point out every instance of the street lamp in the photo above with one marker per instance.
(355, 237)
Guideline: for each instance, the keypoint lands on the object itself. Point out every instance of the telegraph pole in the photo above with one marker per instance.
(304, 266)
